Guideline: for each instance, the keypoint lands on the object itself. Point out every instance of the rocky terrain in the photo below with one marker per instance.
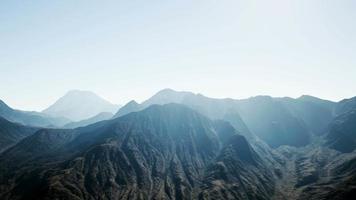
(162, 152)
(180, 145)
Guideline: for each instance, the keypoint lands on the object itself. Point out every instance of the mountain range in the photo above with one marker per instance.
(181, 145)
(30, 117)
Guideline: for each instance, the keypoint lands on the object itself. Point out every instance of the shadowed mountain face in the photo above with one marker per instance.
(236, 167)
(30, 118)
(342, 132)
(325, 174)
(271, 121)
(315, 113)
(162, 152)
(345, 106)
(79, 105)
(11, 133)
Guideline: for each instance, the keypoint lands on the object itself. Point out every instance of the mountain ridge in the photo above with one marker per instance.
(30, 118)
(160, 152)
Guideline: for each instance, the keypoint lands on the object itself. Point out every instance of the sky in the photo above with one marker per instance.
(124, 50)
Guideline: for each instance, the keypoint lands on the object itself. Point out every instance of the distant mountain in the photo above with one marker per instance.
(11, 133)
(277, 121)
(131, 106)
(99, 117)
(315, 113)
(345, 106)
(321, 102)
(30, 118)
(213, 108)
(162, 152)
(78, 105)
(271, 121)
(342, 132)
(162, 97)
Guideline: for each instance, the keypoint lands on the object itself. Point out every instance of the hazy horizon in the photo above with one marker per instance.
(126, 51)
(140, 101)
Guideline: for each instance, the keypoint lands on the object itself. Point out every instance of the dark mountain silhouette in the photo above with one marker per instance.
(334, 176)
(11, 133)
(162, 152)
(79, 105)
(342, 132)
(30, 118)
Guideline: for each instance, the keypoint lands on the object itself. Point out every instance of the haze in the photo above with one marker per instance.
(125, 50)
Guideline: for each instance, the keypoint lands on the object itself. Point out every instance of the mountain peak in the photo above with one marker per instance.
(165, 90)
(81, 92)
(132, 102)
(167, 96)
(79, 104)
(4, 107)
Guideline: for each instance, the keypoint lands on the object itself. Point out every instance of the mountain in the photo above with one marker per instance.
(196, 148)
(131, 106)
(345, 106)
(161, 152)
(315, 113)
(11, 133)
(342, 132)
(321, 102)
(78, 105)
(30, 118)
(99, 117)
(271, 121)
(277, 121)
(213, 108)
(166, 96)
(223, 109)
(162, 97)
(326, 174)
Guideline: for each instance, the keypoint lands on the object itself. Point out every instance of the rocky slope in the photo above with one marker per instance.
(11, 133)
(162, 152)
(291, 149)
(342, 132)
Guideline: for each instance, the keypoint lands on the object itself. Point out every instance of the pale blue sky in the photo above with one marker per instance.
(125, 50)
